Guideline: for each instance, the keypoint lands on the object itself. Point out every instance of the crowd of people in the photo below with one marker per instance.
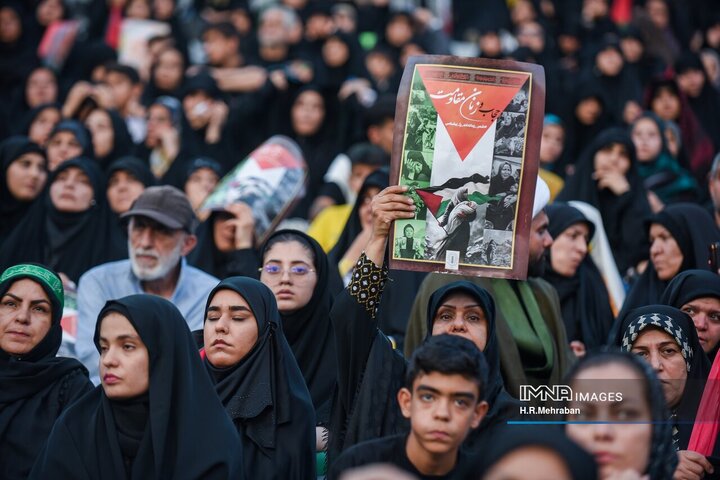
(200, 352)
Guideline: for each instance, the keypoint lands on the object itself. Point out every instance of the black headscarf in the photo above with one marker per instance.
(663, 458)
(584, 299)
(619, 213)
(579, 463)
(691, 285)
(70, 243)
(26, 121)
(186, 433)
(502, 405)
(309, 331)
(12, 209)
(694, 230)
(81, 134)
(397, 299)
(265, 394)
(134, 166)
(680, 327)
(35, 387)
(122, 141)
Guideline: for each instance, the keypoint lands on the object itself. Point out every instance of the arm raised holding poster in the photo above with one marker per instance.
(466, 146)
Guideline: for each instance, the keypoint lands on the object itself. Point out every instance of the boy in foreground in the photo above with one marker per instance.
(443, 399)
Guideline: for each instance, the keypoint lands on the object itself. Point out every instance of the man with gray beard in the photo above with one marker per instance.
(160, 234)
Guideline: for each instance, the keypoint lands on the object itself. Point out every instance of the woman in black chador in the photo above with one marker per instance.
(155, 416)
(258, 381)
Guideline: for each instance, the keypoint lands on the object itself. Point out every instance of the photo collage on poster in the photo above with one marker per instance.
(467, 199)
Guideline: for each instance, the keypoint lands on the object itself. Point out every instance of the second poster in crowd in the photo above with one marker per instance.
(466, 145)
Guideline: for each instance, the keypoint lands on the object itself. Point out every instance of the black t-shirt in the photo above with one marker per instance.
(387, 450)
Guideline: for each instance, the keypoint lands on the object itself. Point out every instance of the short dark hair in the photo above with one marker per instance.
(449, 355)
(126, 70)
(226, 29)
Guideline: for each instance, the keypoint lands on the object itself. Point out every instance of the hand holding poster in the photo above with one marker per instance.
(466, 145)
(270, 180)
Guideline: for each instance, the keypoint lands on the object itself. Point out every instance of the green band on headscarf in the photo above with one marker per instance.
(42, 274)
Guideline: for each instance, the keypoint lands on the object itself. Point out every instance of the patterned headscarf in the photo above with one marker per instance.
(663, 322)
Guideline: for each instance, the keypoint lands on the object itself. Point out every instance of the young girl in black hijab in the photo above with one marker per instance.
(35, 385)
(304, 298)
(258, 381)
(70, 228)
(155, 416)
(629, 438)
(667, 339)
(606, 177)
(23, 173)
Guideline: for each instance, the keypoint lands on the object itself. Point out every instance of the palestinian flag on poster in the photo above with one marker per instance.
(438, 198)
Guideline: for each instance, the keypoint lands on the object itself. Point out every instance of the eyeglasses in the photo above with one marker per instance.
(294, 271)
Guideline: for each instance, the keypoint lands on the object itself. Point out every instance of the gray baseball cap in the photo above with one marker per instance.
(166, 205)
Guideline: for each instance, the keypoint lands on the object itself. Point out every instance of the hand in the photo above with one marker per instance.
(79, 92)
(170, 142)
(279, 80)
(691, 466)
(613, 181)
(387, 206)
(656, 205)
(104, 96)
(218, 113)
(244, 224)
(509, 200)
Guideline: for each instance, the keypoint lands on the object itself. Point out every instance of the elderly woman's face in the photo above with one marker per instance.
(665, 254)
(663, 353)
(25, 317)
(619, 433)
(230, 329)
(505, 171)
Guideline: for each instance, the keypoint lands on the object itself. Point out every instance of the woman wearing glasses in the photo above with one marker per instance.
(296, 269)
(258, 380)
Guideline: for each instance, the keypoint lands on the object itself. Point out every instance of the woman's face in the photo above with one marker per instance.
(588, 110)
(49, 11)
(71, 191)
(612, 158)
(26, 176)
(62, 146)
(665, 254)
(666, 104)
(505, 171)
(103, 135)
(158, 121)
(10, 25)
(139, 9)
(43, 124)
(529, 463)
(25, 317)
(620, 434)
(365, 210)
(308, 113)
(569, 249)
(41, 88)
(461, 314)
(199, 185)
(230, 329)
(552, 143)
(124, 359)
(609, 62)
(663, 353)
(123, 189)
(647, 139)
(169, 70)
(335, 52)
(289, 271)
